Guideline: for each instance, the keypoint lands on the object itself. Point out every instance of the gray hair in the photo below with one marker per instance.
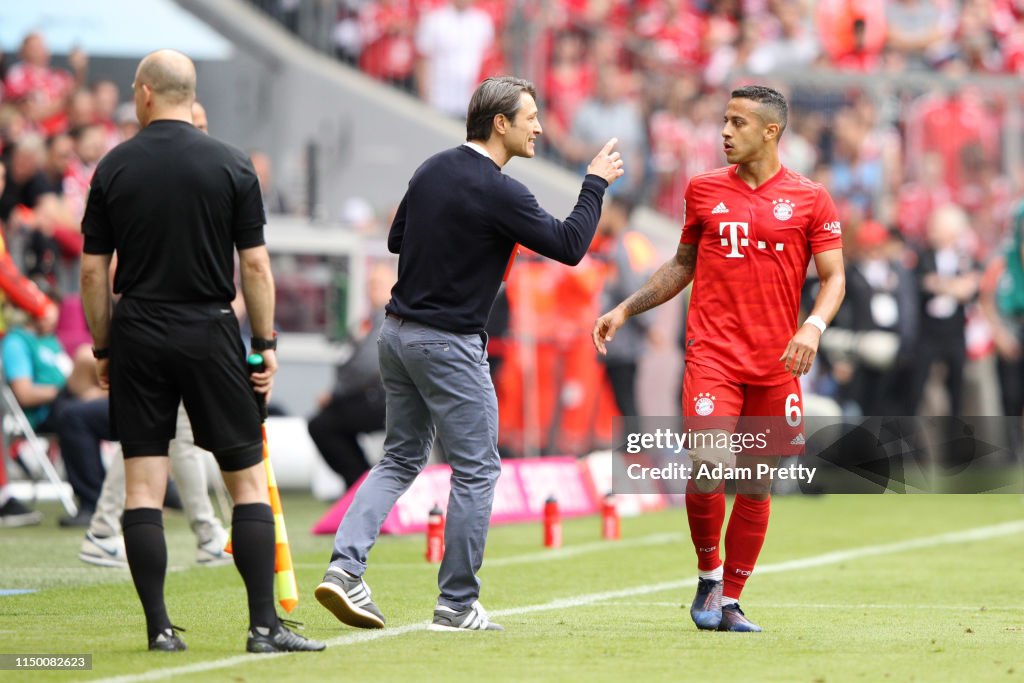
(496, 95)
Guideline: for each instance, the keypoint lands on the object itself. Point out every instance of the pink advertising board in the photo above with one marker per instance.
(523, 487)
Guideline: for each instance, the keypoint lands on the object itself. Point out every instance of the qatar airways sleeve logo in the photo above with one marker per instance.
(730, 234)
(833, 227)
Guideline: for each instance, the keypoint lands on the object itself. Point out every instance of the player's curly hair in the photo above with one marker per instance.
(768, 98)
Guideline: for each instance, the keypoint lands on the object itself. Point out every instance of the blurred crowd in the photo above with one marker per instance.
(656, 73)
(56, 124)
(888, 109)
(890, 112)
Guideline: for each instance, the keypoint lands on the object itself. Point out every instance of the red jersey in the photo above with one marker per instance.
(753, 248)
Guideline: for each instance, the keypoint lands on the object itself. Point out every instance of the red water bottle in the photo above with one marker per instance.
(552, 524)
(435, 534)
(610, 529)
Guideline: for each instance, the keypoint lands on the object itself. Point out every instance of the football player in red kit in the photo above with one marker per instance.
(749, 233)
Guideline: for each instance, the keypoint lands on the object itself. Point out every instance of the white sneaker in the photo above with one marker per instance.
(473, 618)
(211, 553)
(103, 551)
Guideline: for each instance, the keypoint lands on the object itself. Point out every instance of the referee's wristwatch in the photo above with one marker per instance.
(260, 344)
(100, 354)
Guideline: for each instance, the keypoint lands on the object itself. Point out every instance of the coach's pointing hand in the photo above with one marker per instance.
(607, 164)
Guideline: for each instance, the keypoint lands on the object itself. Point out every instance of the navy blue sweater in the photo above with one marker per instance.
(454, 233)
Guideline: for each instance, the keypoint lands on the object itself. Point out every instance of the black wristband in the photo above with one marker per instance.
(260, 344)
(100, 354)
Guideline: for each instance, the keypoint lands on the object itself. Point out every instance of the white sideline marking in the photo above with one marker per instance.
(584, 549)
(799, 605)
(542, 556)
(835, 557)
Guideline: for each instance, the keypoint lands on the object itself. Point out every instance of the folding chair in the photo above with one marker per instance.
(15, 421)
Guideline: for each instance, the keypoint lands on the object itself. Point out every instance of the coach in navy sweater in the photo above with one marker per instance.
(455, 232)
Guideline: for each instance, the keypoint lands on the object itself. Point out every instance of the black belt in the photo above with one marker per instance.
(399, 318)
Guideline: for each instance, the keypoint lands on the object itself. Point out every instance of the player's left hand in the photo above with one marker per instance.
(263, 382)
(801, 350)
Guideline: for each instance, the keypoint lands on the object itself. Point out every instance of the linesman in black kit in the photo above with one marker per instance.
(174, 203)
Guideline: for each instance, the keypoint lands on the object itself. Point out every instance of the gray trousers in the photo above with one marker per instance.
(435, 381)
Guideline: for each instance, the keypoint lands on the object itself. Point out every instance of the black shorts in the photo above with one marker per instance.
(162, 354)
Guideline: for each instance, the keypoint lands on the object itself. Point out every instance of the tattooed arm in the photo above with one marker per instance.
(668, 281)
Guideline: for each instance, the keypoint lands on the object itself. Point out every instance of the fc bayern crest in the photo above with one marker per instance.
(704, 404)
(783, 209)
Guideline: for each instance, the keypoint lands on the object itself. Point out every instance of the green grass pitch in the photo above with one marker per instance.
(849, 588)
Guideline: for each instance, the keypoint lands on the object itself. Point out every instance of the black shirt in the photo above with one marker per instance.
(27, 193)
(455, 229)
(173, 202)
(943, 318)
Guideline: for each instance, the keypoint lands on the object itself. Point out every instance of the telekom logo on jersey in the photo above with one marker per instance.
(736, 234)
(734, 241)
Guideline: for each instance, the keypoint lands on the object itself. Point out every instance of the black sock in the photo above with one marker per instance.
(254, 545)
(146, 549)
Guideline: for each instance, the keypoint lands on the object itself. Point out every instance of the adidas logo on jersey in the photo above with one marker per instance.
(798, 440)
(721, 208)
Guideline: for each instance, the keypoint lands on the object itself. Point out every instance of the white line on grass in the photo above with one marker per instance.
(836, 557)
(584, 549)
(835, 606)
(542, 556)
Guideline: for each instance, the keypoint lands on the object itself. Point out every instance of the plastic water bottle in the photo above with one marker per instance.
(552, 524)
(610, 527)
(435, 535)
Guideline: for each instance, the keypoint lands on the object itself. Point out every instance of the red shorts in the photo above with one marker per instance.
(772, 416)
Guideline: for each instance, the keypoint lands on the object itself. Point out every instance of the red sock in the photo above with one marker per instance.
(706, 514)
(743, 540)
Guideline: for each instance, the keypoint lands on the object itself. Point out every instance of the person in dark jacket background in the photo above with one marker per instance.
(356, 403)
(948, 280)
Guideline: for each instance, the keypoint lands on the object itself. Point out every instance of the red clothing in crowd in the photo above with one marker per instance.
(51, 85)
(675, 37)
(386, 31)
(915, 204)
(948, 125)
(845, 45)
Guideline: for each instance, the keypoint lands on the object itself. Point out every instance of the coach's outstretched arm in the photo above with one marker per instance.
(566, 241)
(258, 291)
(672, 278)
(803, 347)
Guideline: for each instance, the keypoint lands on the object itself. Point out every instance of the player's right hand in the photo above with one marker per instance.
(607, 164)
(606, 327)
